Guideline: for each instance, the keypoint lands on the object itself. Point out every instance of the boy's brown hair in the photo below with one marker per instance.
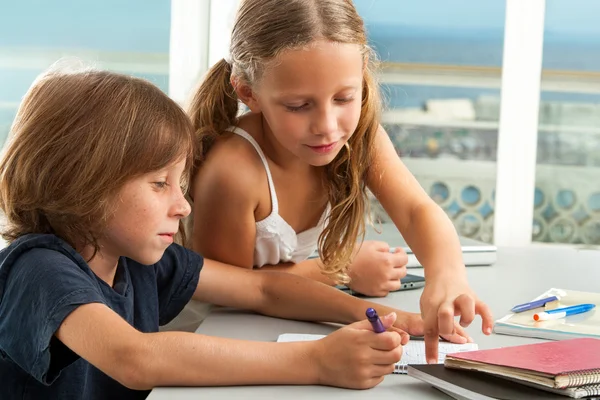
(76, 139)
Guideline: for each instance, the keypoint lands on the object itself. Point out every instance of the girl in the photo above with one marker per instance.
(304, 71)
(91, 188)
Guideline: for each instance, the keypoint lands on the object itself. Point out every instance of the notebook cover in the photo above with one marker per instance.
(470, 384)
(571, 327)
(552, 358)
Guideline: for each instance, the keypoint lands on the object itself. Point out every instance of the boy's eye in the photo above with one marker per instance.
(160, 185)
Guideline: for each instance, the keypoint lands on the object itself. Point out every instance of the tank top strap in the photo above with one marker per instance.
(240, 132)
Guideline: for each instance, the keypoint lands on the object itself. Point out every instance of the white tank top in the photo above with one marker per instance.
(276, 240)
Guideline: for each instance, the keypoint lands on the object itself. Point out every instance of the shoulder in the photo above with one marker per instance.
(50, 274)
(41, 255)
(232, 168)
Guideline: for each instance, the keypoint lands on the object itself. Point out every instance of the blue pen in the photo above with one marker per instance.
(374, 320)
(533, 304)
(562, 312)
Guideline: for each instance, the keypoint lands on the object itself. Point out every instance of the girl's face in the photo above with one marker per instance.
(311, 100)
(147, 214)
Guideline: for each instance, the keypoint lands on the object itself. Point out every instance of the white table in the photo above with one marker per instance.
(519, 275)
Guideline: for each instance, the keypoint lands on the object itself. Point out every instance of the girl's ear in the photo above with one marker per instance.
(246, 94)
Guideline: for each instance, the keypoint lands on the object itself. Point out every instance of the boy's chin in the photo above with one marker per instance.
(149, 259)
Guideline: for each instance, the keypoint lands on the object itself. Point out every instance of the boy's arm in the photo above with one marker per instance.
(144, 360)
(282, 295)
(310, 269)
(353, 357)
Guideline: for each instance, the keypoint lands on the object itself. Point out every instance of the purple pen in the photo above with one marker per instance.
(374, 320)
(533, 304)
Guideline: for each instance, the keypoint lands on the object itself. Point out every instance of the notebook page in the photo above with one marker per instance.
(413, 352)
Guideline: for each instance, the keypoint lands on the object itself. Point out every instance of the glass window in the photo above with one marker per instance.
(127, 36)
(440, 76)
(567, 190)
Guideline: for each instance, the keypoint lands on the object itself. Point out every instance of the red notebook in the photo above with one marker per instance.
(560, 364)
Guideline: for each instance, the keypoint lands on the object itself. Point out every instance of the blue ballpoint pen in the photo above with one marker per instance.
(374, 320)
(562, 312)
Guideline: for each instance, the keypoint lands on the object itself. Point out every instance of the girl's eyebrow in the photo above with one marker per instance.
(298, 96)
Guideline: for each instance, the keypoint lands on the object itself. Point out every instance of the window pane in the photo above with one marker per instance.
(127, 36)
(567, 193)
(441, 73)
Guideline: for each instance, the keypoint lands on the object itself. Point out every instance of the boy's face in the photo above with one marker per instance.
(147, 215)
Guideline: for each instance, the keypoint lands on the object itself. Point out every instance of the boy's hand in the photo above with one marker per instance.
(375, 271)
(355, 357)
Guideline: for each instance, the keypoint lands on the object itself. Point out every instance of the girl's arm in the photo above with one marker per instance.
(431, 235)
(414, 213)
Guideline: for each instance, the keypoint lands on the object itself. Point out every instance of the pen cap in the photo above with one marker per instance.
(372, 315)
(374, 320)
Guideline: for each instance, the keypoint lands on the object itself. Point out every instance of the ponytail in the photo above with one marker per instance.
(214, 108)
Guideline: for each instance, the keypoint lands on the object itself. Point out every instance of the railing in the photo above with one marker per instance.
(457, 169)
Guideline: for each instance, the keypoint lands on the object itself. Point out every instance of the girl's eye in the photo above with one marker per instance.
(160, 185)
(298, 108)
(345, 100)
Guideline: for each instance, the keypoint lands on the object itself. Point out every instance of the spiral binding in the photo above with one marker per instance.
(592, 390)
(401, 368)
(582, 378)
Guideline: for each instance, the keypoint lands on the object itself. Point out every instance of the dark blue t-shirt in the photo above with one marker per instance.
(43, 279)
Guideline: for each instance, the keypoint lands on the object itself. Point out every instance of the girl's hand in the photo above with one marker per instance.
(375, 271)
(413, 324)
(441, 301)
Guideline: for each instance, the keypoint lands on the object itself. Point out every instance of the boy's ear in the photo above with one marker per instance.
(246, 95)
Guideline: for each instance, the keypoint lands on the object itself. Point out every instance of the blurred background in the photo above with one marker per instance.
(441, 76)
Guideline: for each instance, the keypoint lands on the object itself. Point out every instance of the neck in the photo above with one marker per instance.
(103, 266)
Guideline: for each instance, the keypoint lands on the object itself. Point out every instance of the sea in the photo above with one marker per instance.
(392, 44)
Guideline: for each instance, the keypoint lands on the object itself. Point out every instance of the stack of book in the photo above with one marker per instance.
(535, 371)
(568, 367)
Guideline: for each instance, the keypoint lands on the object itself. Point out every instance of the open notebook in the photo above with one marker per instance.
(412, 353)
(574, 326)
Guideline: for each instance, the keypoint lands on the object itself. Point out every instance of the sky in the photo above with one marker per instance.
(566, 19)
(117, 25)
(143, 25)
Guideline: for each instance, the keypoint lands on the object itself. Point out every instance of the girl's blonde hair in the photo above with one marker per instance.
(77, 138)
(264, 29)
